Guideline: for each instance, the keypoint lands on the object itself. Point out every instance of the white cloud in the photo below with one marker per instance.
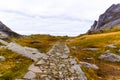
(65, 17)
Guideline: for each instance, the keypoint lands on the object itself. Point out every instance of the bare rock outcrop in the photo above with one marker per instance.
(5, 31)
(109, 19)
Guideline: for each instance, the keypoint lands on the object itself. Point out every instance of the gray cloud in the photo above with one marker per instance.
(57, 17)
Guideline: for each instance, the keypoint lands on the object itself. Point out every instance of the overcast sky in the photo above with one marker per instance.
(56, 17)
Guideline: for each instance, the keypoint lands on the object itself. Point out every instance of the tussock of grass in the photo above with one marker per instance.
(14, 66)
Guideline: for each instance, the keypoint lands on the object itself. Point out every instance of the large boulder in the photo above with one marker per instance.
(109, 19)
(110, 57)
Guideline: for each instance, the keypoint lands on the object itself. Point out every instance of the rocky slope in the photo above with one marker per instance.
(5, 31)
(109, 19)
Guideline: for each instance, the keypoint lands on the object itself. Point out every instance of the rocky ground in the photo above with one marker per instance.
(57, 65)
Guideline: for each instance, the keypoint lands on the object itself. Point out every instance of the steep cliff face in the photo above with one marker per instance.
(109, 19)
(5, 31)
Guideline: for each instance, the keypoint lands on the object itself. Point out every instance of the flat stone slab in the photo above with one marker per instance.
(89, 65)
(40, 62)
(30, 75)
(110, 57)
(35, 69)
(91, 49)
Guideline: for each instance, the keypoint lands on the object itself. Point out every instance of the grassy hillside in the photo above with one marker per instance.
(108, 70)
(41, 42)
(14, 66)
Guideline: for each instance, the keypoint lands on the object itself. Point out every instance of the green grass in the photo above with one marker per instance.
(14, 66)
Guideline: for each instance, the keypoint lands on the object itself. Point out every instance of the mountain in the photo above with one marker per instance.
(5, 31)
(109, 19)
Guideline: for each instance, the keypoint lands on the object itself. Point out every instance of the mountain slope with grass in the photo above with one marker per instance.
(89, 48)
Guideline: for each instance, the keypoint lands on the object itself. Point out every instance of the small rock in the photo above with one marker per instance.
(2, 58)
(88, 65)
(107, 51)
(119, 51)
(89, 58)
(110, 57)
(47, 79)
(34, 68)
(64, 56)
(73, 61)
(40, 62)
(58, 54)
(111, 46)
(91, 49)
(73, 47)
(30, 75)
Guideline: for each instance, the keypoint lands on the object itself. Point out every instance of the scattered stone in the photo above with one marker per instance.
(79, 71)
(107, 51)
(2, 58)
(35, 69)
(73, 61)
(119, 50)
(74, 47)
(91, 49)
(64, 56)
(30, 75)
(88, 65)
(89, 58)
(40, 62)
(110, 57)
(1, 47)
(66, 49)
(111, 46)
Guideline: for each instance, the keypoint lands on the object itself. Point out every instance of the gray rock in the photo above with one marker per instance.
(34, 69)
(80, 72)
(88, 65)
(30, 75)
(7, 31)
(110, 57)
(40, 62)
(73, 61)
(109, 19)
(64, 56)
(2, 58)
(111, 46)
(74, 47)
(107, 51)
(91, 49)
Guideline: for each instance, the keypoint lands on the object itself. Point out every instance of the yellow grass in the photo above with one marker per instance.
(96, 41)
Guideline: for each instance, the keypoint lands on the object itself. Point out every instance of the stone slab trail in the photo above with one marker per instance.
(57, 65)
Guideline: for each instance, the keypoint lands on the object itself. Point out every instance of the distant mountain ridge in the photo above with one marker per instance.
(5, 31)
(109, 19)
